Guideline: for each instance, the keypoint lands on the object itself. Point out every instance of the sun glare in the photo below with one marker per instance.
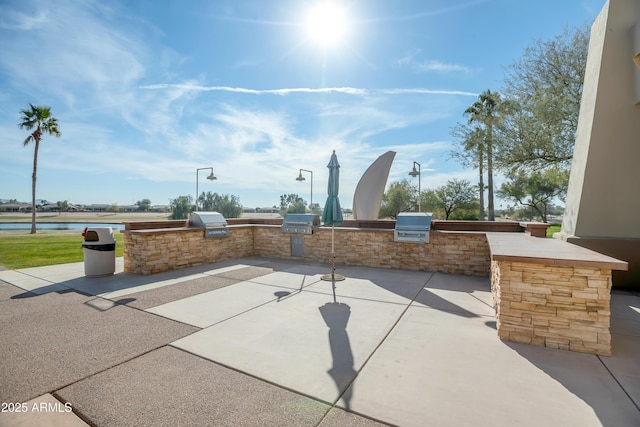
(326, 23)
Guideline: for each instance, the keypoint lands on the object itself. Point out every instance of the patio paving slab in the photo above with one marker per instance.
(216, 306)
(42, 411)
(306, 343)
(439, 368)
(52, 340)
(168, 387)
(375, 285)
(179, 290)
(398, 347)
(294, 280)
(625, 342)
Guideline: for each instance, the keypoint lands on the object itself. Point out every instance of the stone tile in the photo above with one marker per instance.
(285, 279)
(306, 343)
(338, 417)
(52, 340)
(436, 368)
(8, 291)
(625, 314)
(170, 387)
(466, 295)
(176, 291)
(43, 411)
(219, 305)
(623, 363)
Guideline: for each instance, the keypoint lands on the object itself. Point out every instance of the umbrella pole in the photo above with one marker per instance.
(333, 276)
(333, 263)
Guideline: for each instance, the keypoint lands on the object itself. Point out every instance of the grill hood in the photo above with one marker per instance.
(213, 223)
(413, 227)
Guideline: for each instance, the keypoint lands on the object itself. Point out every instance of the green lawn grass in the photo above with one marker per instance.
(35, 250)
(555, 228)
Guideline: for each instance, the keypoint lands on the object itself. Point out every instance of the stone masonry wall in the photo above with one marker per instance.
(148, 252)
(558, 307)
(447, 252)
(152, 252)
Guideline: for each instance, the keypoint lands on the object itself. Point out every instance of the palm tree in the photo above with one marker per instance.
(40, 119)
(475, 143)
(484, 111)
(471, 153)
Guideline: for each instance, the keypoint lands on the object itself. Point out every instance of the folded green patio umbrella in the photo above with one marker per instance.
(332, 213)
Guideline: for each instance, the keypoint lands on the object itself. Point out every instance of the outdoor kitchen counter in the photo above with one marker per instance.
(552, 293)
(520, 247)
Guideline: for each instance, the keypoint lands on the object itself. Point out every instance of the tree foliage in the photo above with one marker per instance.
(536, 190)
(144, 205)
(292, 203)
(530, 135)
(228, 205)
(400, 196)
(181, 207)
(456, 195)
(41, 121)
(62, 205)
(544, 89)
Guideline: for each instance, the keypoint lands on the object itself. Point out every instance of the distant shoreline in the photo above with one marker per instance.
(104, 217)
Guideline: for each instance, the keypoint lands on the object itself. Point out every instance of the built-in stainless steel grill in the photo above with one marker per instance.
(213, 223)
(300, 223)
(412, 227)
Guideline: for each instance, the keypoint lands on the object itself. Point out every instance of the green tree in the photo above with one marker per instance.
(456, 195)
(537, 190)
(485, 112)
(181, 207)
(144, 205)
(544, 89)
(228, 205)
(400, 196)
(315, 208)
(289, 200)
(297, 207)
(41, 121)
(471, 153)
(62, 206)
(430, 203)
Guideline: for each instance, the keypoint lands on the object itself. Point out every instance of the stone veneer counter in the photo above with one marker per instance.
(552, 293)
(524, 248)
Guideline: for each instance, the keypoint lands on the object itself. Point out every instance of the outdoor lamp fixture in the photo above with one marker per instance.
(211, 177)
(416, 172)
(302, 178)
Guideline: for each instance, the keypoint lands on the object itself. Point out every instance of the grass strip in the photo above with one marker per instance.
(36, 250)
(554, 228)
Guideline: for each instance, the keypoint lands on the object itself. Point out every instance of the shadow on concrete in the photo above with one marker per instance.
(103, 304)
(336, 316)
(417, 284)
(94, 286)
(585, 376)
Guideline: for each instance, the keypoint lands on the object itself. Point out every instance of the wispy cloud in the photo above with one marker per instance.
(431, 12)
(14, 20)
(439, 66)
(412, 61)
(289, 91)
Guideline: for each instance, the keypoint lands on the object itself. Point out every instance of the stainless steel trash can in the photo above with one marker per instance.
(99, 249)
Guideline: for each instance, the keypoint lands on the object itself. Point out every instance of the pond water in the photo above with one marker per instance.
(57, 225)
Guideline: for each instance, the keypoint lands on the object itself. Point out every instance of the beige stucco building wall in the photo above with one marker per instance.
(603, 200)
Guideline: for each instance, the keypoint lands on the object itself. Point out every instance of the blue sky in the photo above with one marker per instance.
(147, 91)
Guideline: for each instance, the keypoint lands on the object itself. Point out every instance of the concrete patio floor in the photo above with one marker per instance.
(262, 341)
